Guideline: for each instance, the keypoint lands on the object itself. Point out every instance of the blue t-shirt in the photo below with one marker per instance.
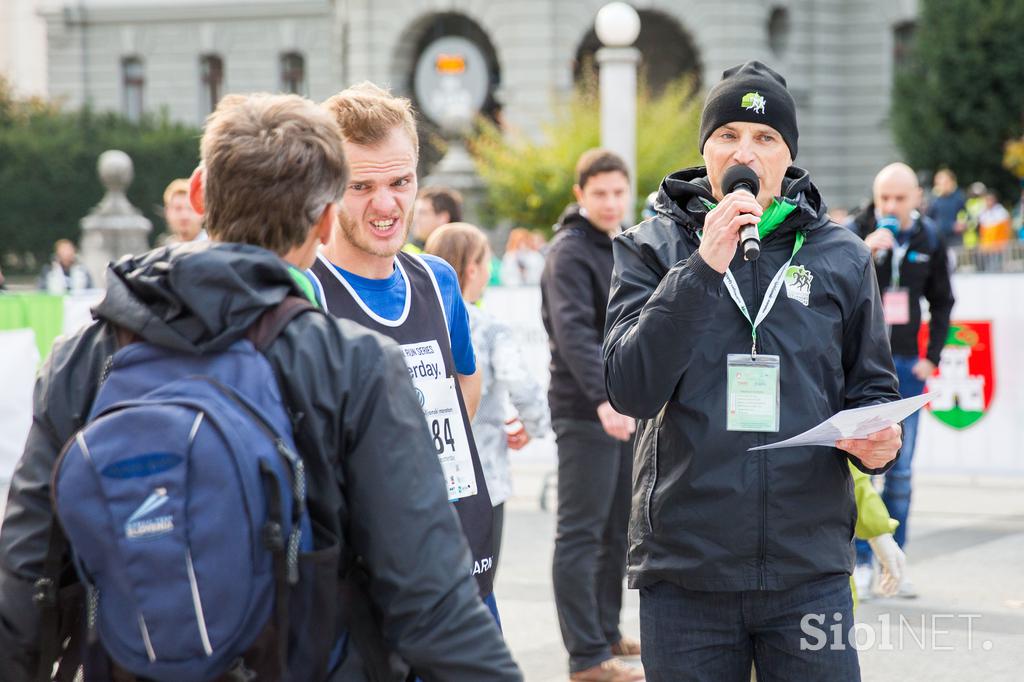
(943, 210)
(386, 298)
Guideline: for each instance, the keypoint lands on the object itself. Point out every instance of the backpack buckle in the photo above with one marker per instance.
(239, 672)
(45, 593)
(273, 536)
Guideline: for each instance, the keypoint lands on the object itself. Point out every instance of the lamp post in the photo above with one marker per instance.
(617, 26)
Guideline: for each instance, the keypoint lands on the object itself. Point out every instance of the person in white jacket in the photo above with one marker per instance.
(496, 427)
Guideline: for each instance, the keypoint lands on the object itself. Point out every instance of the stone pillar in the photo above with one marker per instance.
(114, 227)
(617, 82)
(618, 26)
(456, 170)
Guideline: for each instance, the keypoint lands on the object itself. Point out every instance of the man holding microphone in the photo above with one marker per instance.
(910, 264)
(739, 555)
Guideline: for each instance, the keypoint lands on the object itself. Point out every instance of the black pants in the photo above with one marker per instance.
(594, 477)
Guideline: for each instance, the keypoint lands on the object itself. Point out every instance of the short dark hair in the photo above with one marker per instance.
(271, 165)
(596, 161)
(444, 199)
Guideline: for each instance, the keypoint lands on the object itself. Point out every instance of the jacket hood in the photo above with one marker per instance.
(195, 297)
(572, 217)
(680, 194)
(569, 215)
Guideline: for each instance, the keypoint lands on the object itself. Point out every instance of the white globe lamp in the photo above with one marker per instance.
(617, 24)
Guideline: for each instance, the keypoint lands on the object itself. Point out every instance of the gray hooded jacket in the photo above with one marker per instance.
(373, 478)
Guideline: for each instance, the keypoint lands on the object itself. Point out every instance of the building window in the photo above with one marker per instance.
(211, 82)
(134, 80)
(778, 31)
(902, 43)
(293, 73)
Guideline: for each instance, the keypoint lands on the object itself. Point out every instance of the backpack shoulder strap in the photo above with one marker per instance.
(274, 320)
(45, 594)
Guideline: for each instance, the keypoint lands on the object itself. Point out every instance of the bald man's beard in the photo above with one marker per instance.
(355, 235)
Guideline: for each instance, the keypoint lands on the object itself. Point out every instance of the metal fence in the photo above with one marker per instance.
(1008, 257)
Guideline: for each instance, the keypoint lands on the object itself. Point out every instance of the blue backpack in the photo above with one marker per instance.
(183, 502)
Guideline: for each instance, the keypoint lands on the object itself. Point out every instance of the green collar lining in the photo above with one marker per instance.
(772, 217)
(303, 281)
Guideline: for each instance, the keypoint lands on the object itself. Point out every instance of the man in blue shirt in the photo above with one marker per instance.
(362, 275)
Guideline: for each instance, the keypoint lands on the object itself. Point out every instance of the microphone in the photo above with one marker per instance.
(891, 223)
(736, 178)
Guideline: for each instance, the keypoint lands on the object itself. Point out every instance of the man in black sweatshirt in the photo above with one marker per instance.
(595, 442)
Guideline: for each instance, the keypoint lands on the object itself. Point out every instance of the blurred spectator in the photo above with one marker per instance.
(539, 242)
(183, 223)
(993, 232)
(1017, 215)
(945, 207)
(648, 209)
(435, 206)
(505, 377)
(3, 282)
(973, 207)
(64, 274)
(839, 216)
(594, 441)
(910, 264)
(523, 262)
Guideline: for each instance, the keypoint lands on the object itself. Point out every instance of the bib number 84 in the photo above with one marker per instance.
(442, 435)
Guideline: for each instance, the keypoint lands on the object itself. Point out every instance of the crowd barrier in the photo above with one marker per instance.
(976, 424)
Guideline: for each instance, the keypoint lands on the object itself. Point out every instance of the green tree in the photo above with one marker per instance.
(529, 181)
(959, 97)
(48, 170)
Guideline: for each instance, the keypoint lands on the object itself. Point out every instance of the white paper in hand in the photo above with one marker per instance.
(859, 422)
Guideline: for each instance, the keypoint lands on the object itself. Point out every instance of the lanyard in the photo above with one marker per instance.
(898, 253)
(769, 296)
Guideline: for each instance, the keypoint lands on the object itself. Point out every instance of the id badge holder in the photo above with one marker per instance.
(752, 393)
(896, 306)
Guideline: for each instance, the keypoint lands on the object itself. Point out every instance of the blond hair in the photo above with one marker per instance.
(460, 244)
(367, 113)
(271, 164)
(518, 238)
(176, 187)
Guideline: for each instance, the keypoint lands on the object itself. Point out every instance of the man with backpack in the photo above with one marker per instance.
(226, 353)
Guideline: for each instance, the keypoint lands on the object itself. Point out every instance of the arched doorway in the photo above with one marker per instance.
(421, 40)
(667, 53)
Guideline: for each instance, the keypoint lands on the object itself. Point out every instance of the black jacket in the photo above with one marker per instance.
(924, 271)
(707, 514)
(372, 474)
(574, 298)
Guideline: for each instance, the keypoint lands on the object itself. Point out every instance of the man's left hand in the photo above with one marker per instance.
(878, 449)
(923, 369)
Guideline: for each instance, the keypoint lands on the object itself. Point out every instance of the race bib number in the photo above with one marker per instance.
(437, 396)
(752, 393)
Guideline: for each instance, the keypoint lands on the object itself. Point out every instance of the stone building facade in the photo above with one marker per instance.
(146, 55)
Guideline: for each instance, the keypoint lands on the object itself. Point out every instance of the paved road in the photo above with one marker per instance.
(966, 557)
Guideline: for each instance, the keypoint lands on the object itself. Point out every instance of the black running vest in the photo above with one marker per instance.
(425, 321)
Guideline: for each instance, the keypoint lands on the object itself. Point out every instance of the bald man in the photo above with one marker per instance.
(910, 263)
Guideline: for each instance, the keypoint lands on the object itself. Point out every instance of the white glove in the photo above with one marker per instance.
(892, 559)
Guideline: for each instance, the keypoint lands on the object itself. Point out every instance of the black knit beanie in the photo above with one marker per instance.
(753, 93)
